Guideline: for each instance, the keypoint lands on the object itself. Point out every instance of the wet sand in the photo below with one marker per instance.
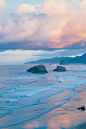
(64, 117)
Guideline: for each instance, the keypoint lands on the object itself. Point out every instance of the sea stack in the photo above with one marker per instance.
(60, 69)
(37, 69)
(62, 62)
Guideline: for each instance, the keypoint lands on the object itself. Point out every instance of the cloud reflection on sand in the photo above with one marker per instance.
(66, 117)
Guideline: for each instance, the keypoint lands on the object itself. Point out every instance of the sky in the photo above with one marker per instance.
(14, 4)
(42, 25)
(19, 57)
(47, 24)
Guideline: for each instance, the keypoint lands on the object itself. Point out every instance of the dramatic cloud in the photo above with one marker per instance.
(55, 24)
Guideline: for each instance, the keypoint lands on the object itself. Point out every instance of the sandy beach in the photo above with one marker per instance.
(64, 117)
(45, 101)
(70, 117)
(43, 64)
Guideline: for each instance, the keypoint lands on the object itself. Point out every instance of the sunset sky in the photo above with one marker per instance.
(42, 24)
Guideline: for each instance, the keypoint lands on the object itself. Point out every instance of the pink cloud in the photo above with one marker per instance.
(56, 24)
(2, 4)
(25, 8)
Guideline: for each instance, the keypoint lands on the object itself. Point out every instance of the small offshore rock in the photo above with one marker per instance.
(37, 69)
(81, 108)
(49, 63)
(62, 62)
(60, 69)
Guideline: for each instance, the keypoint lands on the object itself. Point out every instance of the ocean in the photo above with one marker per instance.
(30, 101)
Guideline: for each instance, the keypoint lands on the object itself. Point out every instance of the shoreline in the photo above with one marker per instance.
(67, 116)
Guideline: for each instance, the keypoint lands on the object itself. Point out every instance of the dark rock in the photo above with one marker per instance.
(62, 62)
(81, 108)
(38, 69)
(60, 68)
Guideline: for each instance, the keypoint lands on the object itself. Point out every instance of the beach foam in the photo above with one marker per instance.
(26, 96)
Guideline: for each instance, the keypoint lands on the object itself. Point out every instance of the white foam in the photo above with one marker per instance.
(59, 79)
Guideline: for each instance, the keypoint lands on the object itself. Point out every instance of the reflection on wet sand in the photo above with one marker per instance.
(66, 117)
(34, 125)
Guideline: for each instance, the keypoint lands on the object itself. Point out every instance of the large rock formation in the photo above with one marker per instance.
(38, 69)
(62, 62)
(60, 69)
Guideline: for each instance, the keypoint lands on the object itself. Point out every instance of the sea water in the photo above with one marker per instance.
(26, 96)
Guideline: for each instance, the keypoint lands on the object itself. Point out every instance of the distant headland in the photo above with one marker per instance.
(67, 60)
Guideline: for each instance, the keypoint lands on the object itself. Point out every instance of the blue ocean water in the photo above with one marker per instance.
(25, 96)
